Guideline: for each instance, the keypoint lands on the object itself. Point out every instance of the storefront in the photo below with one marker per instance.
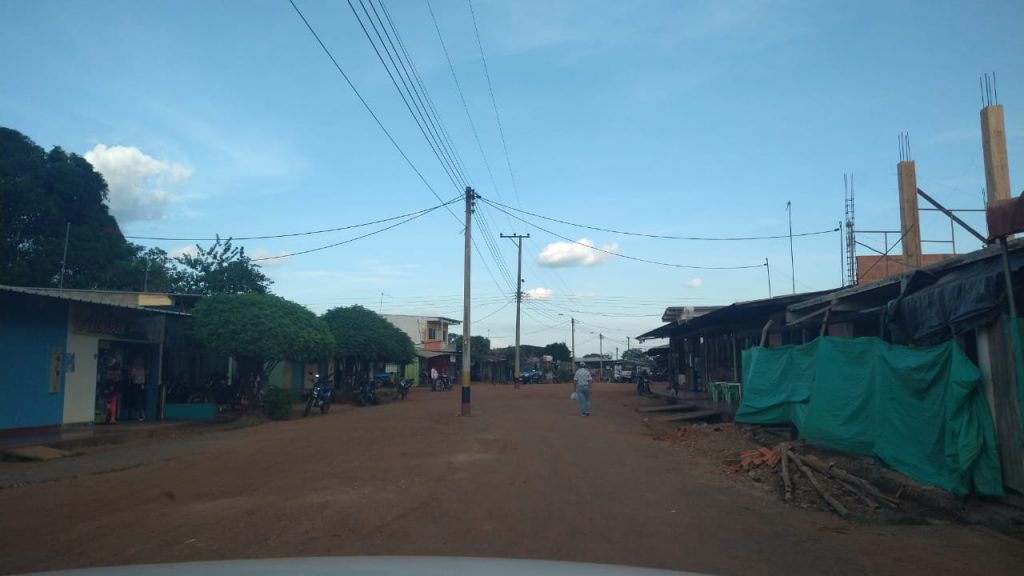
(122, 350)
(64, 353)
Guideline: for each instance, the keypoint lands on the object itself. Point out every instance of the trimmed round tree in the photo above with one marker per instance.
(260, 330)
(362, 335)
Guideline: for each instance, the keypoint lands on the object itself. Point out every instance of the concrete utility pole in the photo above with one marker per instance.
(769, 269)
(600, 352)
(466, 337)
(518, 239)
(627, 343)
(573, 322)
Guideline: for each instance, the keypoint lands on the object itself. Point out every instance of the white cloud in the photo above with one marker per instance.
(179, 252)
(579, 253)
(695, 283)
(139, 184)
(539, 293)
(282, 257)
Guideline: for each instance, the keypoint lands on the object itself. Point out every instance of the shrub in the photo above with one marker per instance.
(277, 403)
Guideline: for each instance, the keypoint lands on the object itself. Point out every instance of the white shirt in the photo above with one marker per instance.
(582, 377)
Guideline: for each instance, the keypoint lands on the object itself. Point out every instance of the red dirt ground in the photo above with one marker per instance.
(525, 477)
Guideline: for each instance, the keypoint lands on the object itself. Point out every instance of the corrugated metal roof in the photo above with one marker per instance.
(84, 296)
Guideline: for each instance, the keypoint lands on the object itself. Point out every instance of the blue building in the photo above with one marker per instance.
(61, 349)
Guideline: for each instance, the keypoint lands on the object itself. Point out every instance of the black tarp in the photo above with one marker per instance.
(935, 305)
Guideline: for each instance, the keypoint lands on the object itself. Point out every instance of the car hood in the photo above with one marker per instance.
(371, 566)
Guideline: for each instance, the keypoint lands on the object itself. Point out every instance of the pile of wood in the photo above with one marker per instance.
(792, 466)
(744, 461)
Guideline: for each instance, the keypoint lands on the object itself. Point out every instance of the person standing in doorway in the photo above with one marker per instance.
(582, 378)
(433, 379)
(137, 381)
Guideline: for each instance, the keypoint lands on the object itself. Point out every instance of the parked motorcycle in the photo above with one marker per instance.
(320, 396)
(366, 394)
(643, 383)
(403, 387)
(444, 382)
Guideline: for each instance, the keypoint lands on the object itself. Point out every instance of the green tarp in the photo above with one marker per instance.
(921, 410)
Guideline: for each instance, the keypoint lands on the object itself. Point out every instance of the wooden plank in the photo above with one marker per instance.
(669, 408)
(694, 416)
(1007, 413)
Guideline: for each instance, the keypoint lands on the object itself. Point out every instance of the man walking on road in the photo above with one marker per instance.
(583, 378)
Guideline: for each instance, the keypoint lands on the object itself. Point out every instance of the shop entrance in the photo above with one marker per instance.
(126, 377)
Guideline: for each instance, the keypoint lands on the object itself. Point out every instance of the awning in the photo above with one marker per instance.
(435, 353)
(659, 332)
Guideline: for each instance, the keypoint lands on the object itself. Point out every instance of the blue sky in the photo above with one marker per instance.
(677, 118)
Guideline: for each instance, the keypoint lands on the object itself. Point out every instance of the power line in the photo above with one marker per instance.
(660, 236)
(429, 120)
(494, 102)
(395, 225)
(294, 234)
(426, 94)
(492, 313)
(462, 97)
(370, 110)
(431, 140)
(611, 253)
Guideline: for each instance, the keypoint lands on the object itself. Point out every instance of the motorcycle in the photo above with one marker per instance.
(403, 387)
(321, 396)
(444, 382)
(643, 384)
(366, 394)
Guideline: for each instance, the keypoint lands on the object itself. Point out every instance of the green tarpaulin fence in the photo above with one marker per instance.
(921, 410)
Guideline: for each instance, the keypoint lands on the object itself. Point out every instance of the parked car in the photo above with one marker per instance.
(530, 376)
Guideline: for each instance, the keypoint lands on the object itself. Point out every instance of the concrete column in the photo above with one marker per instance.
(993, 141)
(909, 224)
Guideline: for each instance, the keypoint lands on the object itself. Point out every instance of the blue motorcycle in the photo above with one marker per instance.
(320, 396)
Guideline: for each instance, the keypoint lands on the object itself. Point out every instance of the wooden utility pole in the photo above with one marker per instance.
(518, 239)
(466, 299)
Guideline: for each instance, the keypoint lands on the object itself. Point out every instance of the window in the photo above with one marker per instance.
(431, 333)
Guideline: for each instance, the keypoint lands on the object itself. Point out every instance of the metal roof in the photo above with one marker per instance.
(84, 296)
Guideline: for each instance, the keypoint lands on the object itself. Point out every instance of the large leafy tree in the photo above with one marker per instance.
(260, 330)
(558, 351)
(47, 196)
(634, 354)
(220, 269)
(479, 348)
(363, 335)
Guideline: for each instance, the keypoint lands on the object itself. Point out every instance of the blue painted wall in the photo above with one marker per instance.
(29, 327)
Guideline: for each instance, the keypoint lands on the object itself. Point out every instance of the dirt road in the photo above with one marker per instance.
(525, 477)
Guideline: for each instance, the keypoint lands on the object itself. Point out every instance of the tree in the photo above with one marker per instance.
(479, 347)
(596, 356)
(45, 195)
(363, 335)
(260, 330)
(634, 354)
(558, 351)
(220, 269)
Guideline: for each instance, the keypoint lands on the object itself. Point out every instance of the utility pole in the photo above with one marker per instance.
(627, 343)
(573, 322)
(518, 239)
(64, 259)
(792, 265)
(466, 337)
(769, 269)
(600, 353)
